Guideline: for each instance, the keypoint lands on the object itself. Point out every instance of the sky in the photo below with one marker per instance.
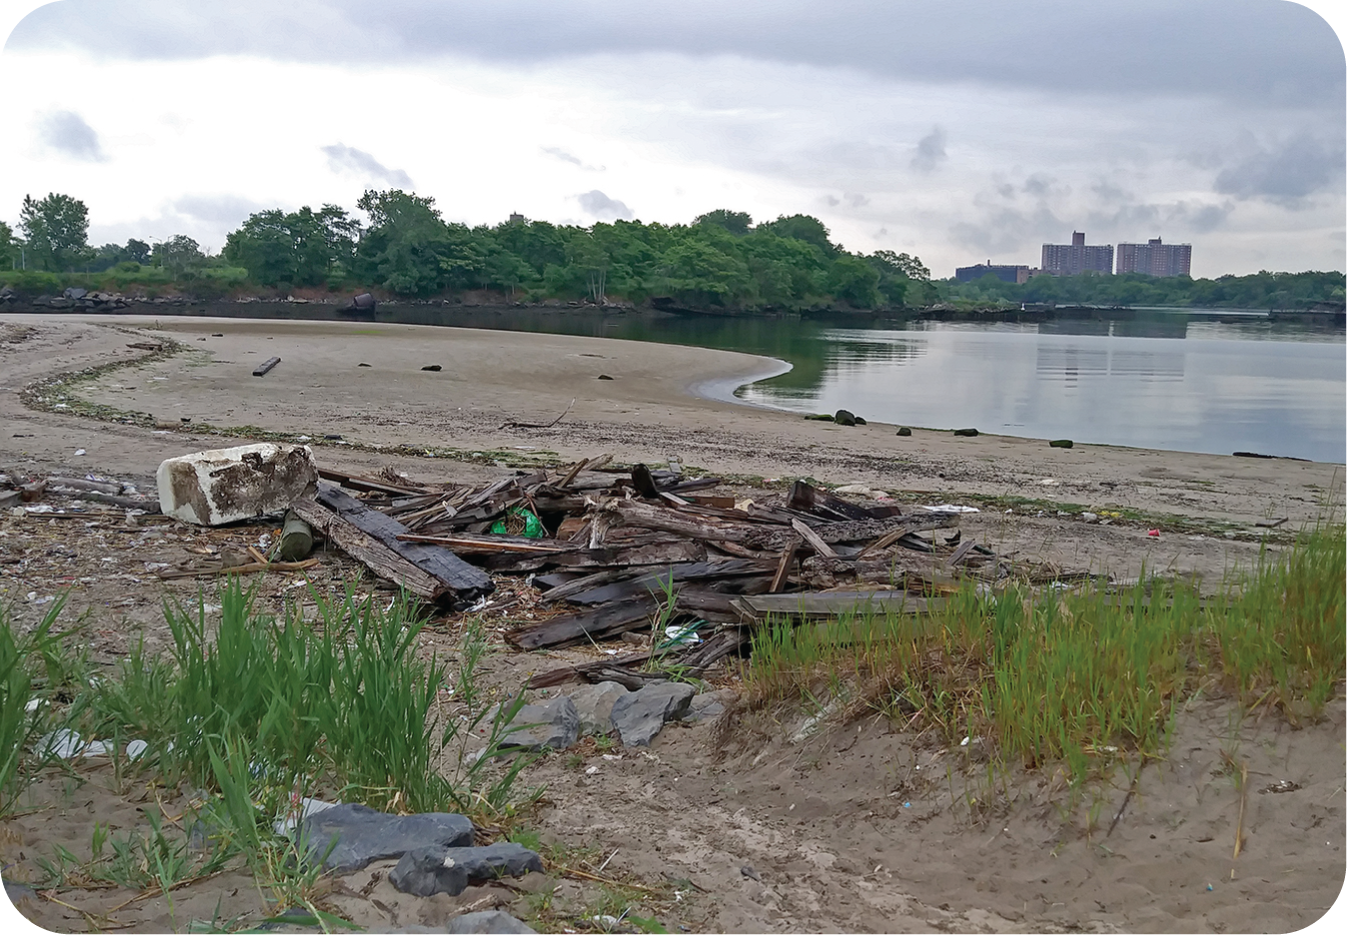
(961, 131)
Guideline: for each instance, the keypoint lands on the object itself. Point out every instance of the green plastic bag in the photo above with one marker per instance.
(518, 521)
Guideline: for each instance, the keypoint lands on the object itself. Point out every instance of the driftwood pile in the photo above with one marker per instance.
(617, 550)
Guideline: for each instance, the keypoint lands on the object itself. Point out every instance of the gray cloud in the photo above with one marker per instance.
(601, 206)
(347, 159)
(557, 152)
(930, 151)
(1251, 50)
(1286, 173)
(66, 132)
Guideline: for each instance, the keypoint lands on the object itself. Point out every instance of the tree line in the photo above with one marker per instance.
(721, 261)
(1261, 290)
(405, 247)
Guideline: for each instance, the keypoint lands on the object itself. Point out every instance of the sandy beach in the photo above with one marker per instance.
(843, 833)
(649, 410)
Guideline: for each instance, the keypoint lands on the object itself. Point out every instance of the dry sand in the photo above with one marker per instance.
(842, 832)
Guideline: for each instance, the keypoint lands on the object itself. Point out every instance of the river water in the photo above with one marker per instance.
(1212, 381)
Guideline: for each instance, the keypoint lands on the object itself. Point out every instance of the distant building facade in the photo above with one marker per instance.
(1155, 258)
(1017, 274)
(1075, 258)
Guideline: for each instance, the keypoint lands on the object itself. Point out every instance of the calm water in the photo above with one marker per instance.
(1191, 381)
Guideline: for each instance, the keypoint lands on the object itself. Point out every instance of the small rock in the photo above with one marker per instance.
(904, 431)
(594, 704)
(640, 715)
(557, 725)
(966, 433)
(843, 417)
(705, 707)
(604, 376)
(1090, 517)
(364, 835)
(860, 421)
(430, 870)
(1061, 443)
(362, 365)
(433, 368)
(491, 922)
(854, 488)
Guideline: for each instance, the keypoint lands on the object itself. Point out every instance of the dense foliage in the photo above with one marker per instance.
(1262, 290)
(721, 261)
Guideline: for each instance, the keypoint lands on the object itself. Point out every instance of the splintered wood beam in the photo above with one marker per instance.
(783, 569)
(598, 623)
(817, 544)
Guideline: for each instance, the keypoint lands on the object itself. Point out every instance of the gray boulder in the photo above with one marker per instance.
(844, 417)
(430, 870)
(363, 834)
(594, 704)
(493, 922)
(640, 715)
(556, 725)
(705, 707)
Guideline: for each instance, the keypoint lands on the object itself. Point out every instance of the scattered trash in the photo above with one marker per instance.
(79, 451)
(1153, 533)
(950, 508)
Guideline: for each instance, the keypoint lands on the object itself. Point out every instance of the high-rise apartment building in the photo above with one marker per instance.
(1155, 258)
(1016, 274)
(1075, 258)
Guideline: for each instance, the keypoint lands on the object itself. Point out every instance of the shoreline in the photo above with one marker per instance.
(648, 410)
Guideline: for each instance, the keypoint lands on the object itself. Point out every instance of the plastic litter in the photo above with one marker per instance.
(950, 508)
(519, 521)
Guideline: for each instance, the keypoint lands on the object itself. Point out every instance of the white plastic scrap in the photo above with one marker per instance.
(307, 807)
(950, 508)
(677, 634)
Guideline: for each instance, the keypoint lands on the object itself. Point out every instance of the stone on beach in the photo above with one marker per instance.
(363, 834)
(430, 870)
(555, 725)
(225, 485)
(594, 704)
(639, 716)
(489, 922)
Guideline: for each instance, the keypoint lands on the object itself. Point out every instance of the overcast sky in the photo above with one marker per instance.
(961, 131)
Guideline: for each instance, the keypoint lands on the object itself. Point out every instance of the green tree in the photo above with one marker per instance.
(405, 244)
(902, 263)
(736, 222)
(56, 231)
(178, 254)
(801, 227)
(138, 251)
(854, 281)
(8, 249)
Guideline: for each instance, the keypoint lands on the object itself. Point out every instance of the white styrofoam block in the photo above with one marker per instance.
(211, 488)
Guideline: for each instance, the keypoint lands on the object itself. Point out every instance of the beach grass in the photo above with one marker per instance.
(1073, 675)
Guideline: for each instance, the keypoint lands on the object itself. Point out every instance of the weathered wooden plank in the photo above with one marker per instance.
(807, 498)
(698, 571)
(369, 551)
(815, 541)
(265, 366)
(783, 569)
(355, 482)
(489, 543)
(467, 581)
(596, 624)
(581, 672)
(832, 604)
